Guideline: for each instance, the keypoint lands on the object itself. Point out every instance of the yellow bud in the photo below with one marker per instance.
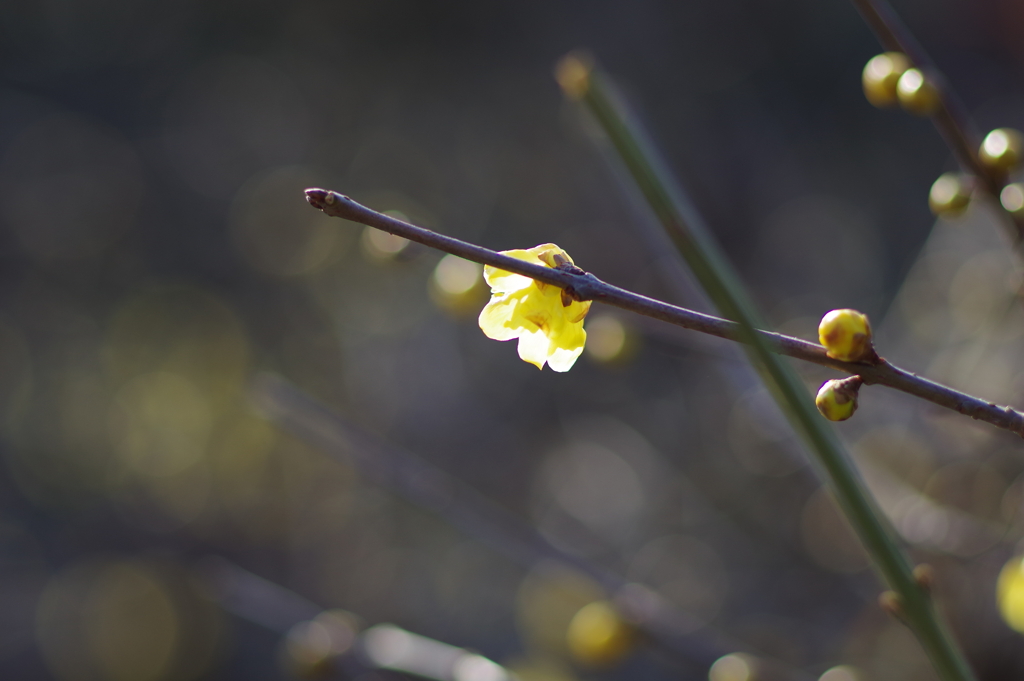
(597, 635)
(880, 77)
(1012, 198)
(573, 74)
(1010, 593)
(846, 335)
(1001, 150)
(917, 93)
(837, 399)
(892, 603)
(950, 194)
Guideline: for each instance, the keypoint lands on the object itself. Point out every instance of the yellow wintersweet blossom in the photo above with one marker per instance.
(548, 324)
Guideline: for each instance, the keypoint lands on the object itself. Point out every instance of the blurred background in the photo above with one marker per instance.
(157, 254)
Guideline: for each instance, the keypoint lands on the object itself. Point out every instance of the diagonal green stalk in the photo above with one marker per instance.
(687, 231)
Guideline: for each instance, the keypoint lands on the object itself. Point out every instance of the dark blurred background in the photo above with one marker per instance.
(157, 253)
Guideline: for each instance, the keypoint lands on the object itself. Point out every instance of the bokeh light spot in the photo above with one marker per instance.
(1010, 593)
(457, 285)
(382, 246)
(163, 422)
(181, 330)
(840, 673)
(110, 622)
(608, 339)
(456, 276)
(732, 667)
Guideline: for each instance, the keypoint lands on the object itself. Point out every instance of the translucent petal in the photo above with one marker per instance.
(501, 281)
(562, 359)
(577, 311)
(534, 348)
(496, 318)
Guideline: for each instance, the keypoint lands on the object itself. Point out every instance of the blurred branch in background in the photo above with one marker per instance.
(948, 112)
(323, 643)
(586, 286)
(425, 485)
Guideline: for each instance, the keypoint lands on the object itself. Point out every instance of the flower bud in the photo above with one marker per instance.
(1001, 150)
(917, 93)
(892, 603)
(846, 335)
(880, 76)
(573, 74)
(597, 635)
(1012, 199)
(950, 194)
(837, 399)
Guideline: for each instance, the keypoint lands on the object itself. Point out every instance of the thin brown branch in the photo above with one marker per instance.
(585, 286)
(951, 118)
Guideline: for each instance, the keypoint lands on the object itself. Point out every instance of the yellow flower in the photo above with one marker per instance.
(548, 329)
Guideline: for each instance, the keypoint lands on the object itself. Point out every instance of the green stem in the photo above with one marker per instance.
(689, 235)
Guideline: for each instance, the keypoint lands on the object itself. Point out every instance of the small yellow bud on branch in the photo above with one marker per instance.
(1001, 150)
(837, 399)
(880, 77)
(846, 335)
(950, 194)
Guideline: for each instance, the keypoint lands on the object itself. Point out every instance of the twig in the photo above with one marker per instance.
(586, 286)
(950, 118)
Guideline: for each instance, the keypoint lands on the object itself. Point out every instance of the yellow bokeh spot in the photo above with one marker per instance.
(608, 339)
(181, 330)
(732, 667)
(457, 285)
(1010, 593)
(597, 636)
(549, 330)
(456, 276)
(162, 422)
(114, 621)
(382, 246)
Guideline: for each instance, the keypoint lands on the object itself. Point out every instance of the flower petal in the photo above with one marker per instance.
(496, 318)
(501, 281)
(567, 350)
(547, 254)
(577, 311)
(534, 347)
(549, 331)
